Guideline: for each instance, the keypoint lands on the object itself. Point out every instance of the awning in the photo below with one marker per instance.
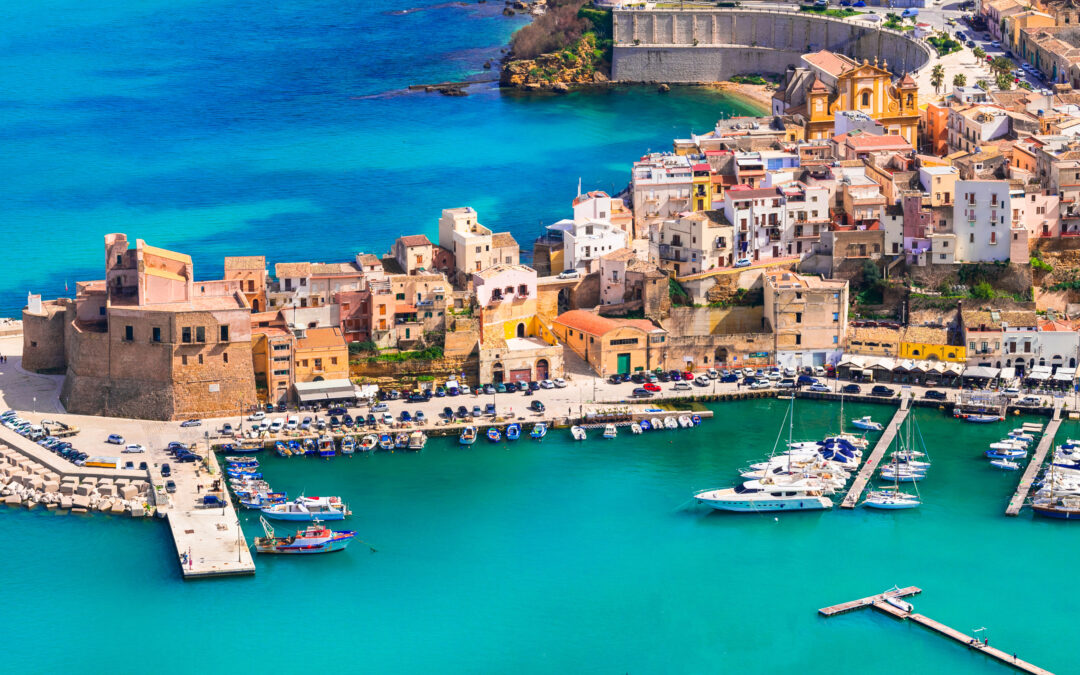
(905, 365)
(1039, 373)
(1064, 375)
(980, 371)
(852, 361)
(1008, 373)
(324, 390)
(883, 364)
(952, 369)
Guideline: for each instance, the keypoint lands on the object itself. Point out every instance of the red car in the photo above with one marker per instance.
(688, 375)
(649, 386)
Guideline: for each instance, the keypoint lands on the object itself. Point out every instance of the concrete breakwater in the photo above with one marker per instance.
(708, 45)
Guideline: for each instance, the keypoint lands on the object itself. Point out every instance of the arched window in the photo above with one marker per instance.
(866, 98)
(910, 100)
(914, 352)
(521, 330)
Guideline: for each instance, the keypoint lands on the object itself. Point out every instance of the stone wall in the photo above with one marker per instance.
(714, 320)
(43, 338)
(718, 351)
(1008, 278)
(710, 45)
(406, 373)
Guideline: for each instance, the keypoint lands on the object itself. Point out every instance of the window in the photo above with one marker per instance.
(400, 296)
(185, 334)
(866, 98)
(183, 360)
(225, 357)
(157, 334)
(624, 341)
(835, 339)
(129, 333)
(224, 333)
(798, 317)
(200, 358)
(200, 334)
(101, 310)
(333, 360)
(303, 282)
(835, 316)
(798, 338)
(281, 372)
(318, 364)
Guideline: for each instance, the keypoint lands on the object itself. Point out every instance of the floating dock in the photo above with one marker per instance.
(878, 603)
(871, 464)
(1032, 470)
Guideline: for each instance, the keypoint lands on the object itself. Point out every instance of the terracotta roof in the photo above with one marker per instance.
(321, 338)
(594, 324)
(834, 64)
(368, 259)
(818, 85)
(334, 269)
(1054, 325)
(595, 194)
(623, 254)
(1026, 318)
(292, 270)
(245, 262)
(873, 141)
(753, 193)
(907, 81)
(414, 240)
(878, 334)
(503, 240)
(928, 335)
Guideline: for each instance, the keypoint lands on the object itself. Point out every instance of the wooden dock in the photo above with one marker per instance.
(843, 607)
(871, 464)
(879, 604)
(1032, 470)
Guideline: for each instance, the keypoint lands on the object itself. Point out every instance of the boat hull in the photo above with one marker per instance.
(1059, 514)
(303, 517)
(338, 542)
(770, 504)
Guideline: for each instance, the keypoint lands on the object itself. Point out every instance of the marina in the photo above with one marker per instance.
(871, 463)
(887, 603)
(1028, 478)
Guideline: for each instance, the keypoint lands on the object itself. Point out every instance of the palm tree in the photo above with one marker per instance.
(979, 53)
(937, 77)
(1001, 66)
(959, 80)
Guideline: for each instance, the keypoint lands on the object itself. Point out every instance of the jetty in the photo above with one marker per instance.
(1028, 479)
(879, 603)
(871, 464)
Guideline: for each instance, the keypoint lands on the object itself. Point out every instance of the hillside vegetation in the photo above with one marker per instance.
(568, 44)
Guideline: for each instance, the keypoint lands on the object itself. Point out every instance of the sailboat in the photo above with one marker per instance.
(893, 498)
(770, 495)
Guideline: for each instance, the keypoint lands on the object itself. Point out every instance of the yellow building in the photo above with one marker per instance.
(927, 343)
(1016, 23)
(320, 354)
(830, 83)
(612, 345)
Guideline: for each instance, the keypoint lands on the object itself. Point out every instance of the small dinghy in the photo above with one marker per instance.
(1005, 464)
(539, 430)
(635, 428)
(386, 442)
(670, 423)
(578, 433)
(513, 432)
(468, 436)
(645, 425)
(866, 424)
(494, 435)
(684, 421)
(368, 443)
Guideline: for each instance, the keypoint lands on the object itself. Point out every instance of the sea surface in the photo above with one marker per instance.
(556, 556)
(285, 128)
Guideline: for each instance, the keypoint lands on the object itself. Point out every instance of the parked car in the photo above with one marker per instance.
(819, 371)
(500, 388)
(191, 423)
(419, 417)
(935, 395)
(464, 388)
(133, 448)
(536, 406)
(226, 429)
(462, 411)
(489, 389)
(806, 380)
(511, 387)
(477, 411)
(115, 439)
(534, 386)
(642, 392)
(786, 383)
(681, 386)
(448, 412)
(852, 389)
(277, 425)
(760, 384)
(712, 373)
(547, 384)
(256, 416)
(663, 376)
(453, 391)
(170, 486)
(881, 390)
(569, 274)
(380, 407)
(166, 470)
(649, 386)
(702, 381)
(405, 416)
(1030, 400)
(637, 378)
(729, 377)
(305, 424)
(489, 409)
(1010, 392)
(387, 419)
(559, 383)
(819, 387)
(743, 262)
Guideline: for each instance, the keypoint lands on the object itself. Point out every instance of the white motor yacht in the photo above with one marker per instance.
(771, 498)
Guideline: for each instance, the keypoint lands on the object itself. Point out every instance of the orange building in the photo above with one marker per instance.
(936, 129)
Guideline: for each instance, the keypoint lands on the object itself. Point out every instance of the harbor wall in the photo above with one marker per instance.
(674, 45)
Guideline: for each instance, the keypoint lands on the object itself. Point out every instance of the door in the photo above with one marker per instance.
(623, 361)
(541, 369)
(523, 375)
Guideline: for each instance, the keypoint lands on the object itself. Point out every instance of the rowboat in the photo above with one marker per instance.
(494, 435)
(539, 430)
(513, 432)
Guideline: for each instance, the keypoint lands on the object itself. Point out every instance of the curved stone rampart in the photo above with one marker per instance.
(676, 45)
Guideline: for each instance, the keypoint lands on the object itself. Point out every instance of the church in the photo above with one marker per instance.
(828, 83)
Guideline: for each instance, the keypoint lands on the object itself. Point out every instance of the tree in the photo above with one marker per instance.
(982, 291)
(979, 53)
(1004, 81)
(937, 76)
(959, 80)
(983, 84)
(1001, 66)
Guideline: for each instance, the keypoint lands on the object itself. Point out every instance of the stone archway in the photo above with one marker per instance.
(255, 305)
(521, 330)
(721, 355)
(497, 374)
(564, 300)
(541, 369)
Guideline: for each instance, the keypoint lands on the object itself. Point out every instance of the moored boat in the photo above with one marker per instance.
(539, 430)
(891, 499)
(386, 442)
(307, 508)
(263, 499)
(417, 440)
(313, 539)
(670, 423)
(494, 435)
(980, 418)
(513, 432)
(645, 425)
(635, 428)
(282, 449)
(401, 440)
(610, 431)
(578, 433)
(1006, 464)
(696, 419)
(866, 423)
(368, 443)
(468, 436)
(684, 421)
(326, 446)
(348, 445)
(242, 462)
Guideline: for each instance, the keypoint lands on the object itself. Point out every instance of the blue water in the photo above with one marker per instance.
(283, 129)
(564, 557)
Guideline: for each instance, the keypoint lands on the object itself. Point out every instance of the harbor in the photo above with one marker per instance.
(871, 463)
(1028, 478)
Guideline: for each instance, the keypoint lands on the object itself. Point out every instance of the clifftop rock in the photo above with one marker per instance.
(576, 65)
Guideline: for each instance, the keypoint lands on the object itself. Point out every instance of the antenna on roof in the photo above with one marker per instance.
(579, 186)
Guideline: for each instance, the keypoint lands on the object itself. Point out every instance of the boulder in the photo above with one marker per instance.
(104, 505)
(128, 492)
(117, 507)
(80, 502)
(65, 502)
(78, 509)
(664, 88)
(51, 486)
(68, 488)
(137, 512)
(84, 490)
(13, 500)
(107, 490)
(560, 88)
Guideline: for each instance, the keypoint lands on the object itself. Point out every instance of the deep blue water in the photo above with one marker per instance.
(284, 129)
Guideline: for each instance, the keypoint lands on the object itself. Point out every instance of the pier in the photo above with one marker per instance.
(871, 464)
(878, 602)
(1026, 481)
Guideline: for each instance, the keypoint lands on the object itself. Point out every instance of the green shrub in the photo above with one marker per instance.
(982, 291)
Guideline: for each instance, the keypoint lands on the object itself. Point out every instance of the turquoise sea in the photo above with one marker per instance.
(554, 556)
(284, 128)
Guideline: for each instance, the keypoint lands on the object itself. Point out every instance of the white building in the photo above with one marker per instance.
(660, 184)
(777, 222)
(970, 127)
(983, 217)
(586, 242)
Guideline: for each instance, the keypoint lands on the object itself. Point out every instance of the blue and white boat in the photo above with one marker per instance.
(578, 433)
(313, 539)
(1006, 464)
(348, 445)
(243, 474)
(326, 447)
(401, 440)
(308, 508)
(866, 424)
(494, 435)
(309, 447)
(386, 442)
(468, 436)
(539, 430)
(242, 462)
(645, 425)
(610, 431)
(281, 449)
(1006, 453)
(263, 499)
(696, 419)
(979, 418)
(513, 432)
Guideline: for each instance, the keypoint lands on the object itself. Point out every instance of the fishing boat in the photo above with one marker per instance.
(1006, 464)
(326, 446)
(670, 423)
(539, 430)
(684, 421)
(313, 539)
(635, 428)
(417, 440)
(241, 462)
(247, 447)
(468, 436)
(513, 432)
(282, 449)
(979, 418)
(866, 423)
(368, 443)
(401, 440)
(696, 419)
(386, 442)
(243, 474)
(494, 435)
(645, 425)
(578, 433)
(263, 499)
(309, 447)
(348, 445)
(610, 431)
(310, 508)
(1006, 453)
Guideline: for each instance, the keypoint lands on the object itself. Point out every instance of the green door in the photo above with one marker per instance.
(624, 363)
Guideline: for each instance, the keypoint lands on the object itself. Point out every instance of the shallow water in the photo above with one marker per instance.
(574, 557)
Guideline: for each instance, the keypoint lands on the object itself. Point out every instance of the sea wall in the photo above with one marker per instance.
(675, 45)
